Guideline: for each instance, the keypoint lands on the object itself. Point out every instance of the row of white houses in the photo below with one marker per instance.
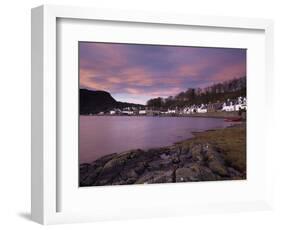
(229, 105)
(241, 103)
(127, 112)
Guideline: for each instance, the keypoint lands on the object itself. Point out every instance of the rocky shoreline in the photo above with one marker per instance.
(190, 160)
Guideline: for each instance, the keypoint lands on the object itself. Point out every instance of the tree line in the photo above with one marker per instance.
(219, 92)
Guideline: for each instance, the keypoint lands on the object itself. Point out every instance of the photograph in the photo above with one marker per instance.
(152, 114)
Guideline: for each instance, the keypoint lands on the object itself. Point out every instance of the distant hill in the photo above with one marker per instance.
(93, 102)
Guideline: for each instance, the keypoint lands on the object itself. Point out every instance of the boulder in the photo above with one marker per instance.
(156, 177)
(131, 174)
(196, 152)
(233, 172)
(186, 174)
(181, 162)
(218, 167)
(195, 173)
(89, 177)
(140, 167)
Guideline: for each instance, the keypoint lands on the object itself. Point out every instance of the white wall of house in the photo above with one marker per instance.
(127, 112)
(171, 111)
(241, 104)
(201, 110)
(142, 112)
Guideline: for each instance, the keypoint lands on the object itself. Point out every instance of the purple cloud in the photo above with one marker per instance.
(135, 73)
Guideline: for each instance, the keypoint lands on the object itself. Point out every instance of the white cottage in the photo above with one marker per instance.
(202, 109)
(125, 112)
(171, 111)
(142, 112)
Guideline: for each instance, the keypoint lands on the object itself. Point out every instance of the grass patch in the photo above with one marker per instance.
(230, 141)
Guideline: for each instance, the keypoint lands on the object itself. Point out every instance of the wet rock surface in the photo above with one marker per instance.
(177, 163)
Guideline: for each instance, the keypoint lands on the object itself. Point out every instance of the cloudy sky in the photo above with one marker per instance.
(136, 73)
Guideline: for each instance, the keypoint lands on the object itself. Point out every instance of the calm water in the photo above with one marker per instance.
(102, 135)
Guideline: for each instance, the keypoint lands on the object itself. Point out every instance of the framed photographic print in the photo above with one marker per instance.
(140, 114)
(138, 117)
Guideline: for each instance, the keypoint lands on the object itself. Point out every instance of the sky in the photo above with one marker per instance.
(136, 73)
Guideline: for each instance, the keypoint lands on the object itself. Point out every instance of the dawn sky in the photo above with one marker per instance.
(136, 73)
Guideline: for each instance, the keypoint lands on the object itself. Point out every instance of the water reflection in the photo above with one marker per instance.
(101, 135)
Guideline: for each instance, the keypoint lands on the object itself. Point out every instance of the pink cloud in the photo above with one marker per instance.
(230, 72)
(155, 70)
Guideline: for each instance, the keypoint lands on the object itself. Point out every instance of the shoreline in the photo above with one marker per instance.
(216, 154)
(219, 115)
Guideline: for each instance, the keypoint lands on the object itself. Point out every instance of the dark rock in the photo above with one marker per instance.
(196, 152)
(101, 161)
(185, 160)
(84, 168)
(195, 173)
(185, 149)
(186, 174)
(165, 164)
(129, 174)
(139, 169)
(154, 165)
(215, 160)
(178, 163)
(88, 175)
(217, 167)
(165, 156)
(233, 173)
(175, 151)
(176, 160)
(156, 177)
(207, 175)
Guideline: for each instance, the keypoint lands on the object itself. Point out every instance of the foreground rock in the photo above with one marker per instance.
(177, 163)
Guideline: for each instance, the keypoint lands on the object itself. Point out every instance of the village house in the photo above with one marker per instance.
(235, 105)
(229, 105)
(172, 111)
(189, 109)
(115, 112)
(142, 112)
(202, 109)
(127, 112)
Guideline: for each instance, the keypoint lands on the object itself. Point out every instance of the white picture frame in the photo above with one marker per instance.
(46, 183)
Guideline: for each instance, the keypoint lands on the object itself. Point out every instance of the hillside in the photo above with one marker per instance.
(93, 102)
(214, 93)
